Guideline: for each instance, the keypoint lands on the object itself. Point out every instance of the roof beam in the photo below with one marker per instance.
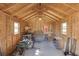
(5, 6)
(25, 8)
(54, 16)
(51, 16)
(52, 13)
(74, 9)
(47, 17)
(27, 17)
(28, 13)
(57, 11)
(11, 6)
(47, 13)
(70, 7)
(31, 18)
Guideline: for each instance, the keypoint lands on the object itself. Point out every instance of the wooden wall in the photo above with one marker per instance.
(57, 33)
(2, 32)
(8, 40)
(73, 29)
(38, 25)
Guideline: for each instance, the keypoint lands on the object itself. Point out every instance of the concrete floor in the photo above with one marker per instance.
(43, 48)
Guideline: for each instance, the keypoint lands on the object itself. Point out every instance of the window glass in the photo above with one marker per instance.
(64, 28)
(16, 28)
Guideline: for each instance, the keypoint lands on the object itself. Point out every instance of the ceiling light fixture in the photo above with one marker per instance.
(40, 19)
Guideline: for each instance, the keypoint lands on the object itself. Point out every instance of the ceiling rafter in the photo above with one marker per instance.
(25, 8)
(16, 5)
(51, 16)
(70, 7)
(3, 9)
(30, 10)
(27, 17)
(31, 18)
(47, 17)
(11, 6)
(15, 8)
(74, 9)
(46, 11)
(54, 14)
(28, 13)
(57, 11)
(4, 6)
(50, 12)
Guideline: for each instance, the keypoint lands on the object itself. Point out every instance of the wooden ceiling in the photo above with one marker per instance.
(26, 11)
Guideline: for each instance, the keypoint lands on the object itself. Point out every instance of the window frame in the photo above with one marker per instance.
(16, 28)
(64, 28)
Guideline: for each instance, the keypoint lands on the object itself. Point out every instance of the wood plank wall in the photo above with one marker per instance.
(73, 29)
(38, 25)
(57, 33)
(7, 38)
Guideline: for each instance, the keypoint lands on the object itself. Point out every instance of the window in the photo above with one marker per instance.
(16, 28)
(64, 28)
